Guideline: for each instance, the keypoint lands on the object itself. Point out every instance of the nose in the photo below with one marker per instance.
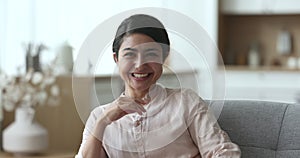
(139, 61)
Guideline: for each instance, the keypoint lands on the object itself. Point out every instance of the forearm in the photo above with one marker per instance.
(211, 140)
(218, 145)
(93, 146)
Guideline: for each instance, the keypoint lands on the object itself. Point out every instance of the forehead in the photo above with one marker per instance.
(138, 41)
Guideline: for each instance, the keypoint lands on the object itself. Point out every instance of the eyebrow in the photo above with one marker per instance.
(130, 49)
(135, 50)
(151, 49)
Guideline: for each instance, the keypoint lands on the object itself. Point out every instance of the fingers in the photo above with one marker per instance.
(130, 106)
(123, 106)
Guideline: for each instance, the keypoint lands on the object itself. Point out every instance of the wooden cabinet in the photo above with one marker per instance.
(238, 34)
(260, 6)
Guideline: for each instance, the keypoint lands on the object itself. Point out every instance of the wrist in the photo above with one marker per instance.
(105, 120)
(100, 126)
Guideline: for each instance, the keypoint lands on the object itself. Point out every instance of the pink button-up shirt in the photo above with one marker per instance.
(177, 123)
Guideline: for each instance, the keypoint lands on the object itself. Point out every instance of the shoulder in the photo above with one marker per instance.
(100, 108)
(185, 94)
(97, 112)
(187, 99)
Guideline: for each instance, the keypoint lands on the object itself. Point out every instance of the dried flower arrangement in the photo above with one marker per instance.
(32, 89)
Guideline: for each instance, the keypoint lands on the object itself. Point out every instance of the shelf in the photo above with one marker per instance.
(238, 33)
(261, 68)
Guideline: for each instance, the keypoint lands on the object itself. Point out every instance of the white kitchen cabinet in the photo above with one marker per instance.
(286, 7)
(107, 88)
(260, 7)
(241, 6)
(263, 85)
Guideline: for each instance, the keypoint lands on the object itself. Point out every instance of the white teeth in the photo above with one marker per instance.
(140, 75)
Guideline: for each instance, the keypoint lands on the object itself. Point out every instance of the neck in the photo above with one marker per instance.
(140, 96)
(135, 94)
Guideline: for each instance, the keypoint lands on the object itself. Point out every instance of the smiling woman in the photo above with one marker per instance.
(140, 48)
(140, 64)
(148, 120)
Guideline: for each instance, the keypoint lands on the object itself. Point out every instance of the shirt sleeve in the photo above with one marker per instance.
(211, 140)
(88, 128)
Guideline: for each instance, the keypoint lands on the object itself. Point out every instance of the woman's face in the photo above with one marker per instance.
(140, 61)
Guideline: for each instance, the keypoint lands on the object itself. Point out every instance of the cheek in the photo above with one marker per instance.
(124, 66)
(157, 68)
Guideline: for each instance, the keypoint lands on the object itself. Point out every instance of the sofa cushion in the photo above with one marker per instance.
(253, 152)
(253, 124)
(289, 138)
(288, 154)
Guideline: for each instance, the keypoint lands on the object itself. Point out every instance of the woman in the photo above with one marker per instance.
(148, 120)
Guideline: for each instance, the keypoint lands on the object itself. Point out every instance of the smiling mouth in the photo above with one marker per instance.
(136, 75)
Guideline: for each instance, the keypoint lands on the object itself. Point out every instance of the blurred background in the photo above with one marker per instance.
(259, 41)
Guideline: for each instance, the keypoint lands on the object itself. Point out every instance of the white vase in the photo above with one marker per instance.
(25, 135)
(64, 59)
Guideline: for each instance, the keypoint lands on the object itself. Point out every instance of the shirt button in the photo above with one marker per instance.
(136, 123)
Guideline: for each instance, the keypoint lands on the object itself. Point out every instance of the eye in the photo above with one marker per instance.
(129, 54)
(152, 54)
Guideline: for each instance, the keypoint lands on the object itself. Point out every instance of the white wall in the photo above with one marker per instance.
(53, 22)
(16, 27)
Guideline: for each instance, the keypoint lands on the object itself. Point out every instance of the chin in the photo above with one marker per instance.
(141, 86)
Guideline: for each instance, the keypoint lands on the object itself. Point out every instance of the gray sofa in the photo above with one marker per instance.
(263, 129)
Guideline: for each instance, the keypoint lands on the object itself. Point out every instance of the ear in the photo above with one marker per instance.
(115, 57)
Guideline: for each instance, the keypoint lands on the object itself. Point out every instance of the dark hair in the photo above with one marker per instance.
(144, 24)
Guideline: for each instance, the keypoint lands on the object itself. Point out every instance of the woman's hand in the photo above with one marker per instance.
(120, 107)
(123, 106)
